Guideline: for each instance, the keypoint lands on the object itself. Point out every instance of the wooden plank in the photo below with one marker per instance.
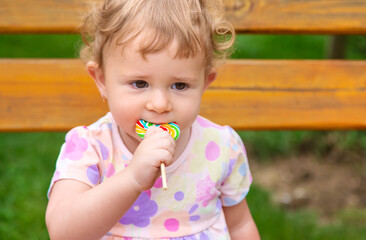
(252, 16)
(289, 94)
(298, 16)
(48, 95)
(292, 75)
(41, 16)
(286, 110)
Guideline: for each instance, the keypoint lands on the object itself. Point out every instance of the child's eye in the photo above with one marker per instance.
(179, 86)
(140, 84)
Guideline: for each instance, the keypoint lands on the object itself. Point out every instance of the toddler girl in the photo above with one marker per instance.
(152, 60)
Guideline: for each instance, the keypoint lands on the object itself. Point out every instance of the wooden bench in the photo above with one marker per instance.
(57, 94)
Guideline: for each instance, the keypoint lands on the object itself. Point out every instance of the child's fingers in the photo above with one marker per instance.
(163, 147)
(156, 148)
(152, 131)
(159, 137)
(166, 157)
(159, 144)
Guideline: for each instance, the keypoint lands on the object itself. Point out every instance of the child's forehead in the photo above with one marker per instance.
(137, 43)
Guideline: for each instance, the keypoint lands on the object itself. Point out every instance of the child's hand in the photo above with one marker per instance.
(156, 148)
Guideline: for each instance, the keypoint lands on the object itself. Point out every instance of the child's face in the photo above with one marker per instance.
(158, 89)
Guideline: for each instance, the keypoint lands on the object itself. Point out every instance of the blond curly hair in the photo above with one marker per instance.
(196, 25)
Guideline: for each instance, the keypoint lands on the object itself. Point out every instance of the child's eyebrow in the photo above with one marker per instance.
(134, 75)
(185, 78)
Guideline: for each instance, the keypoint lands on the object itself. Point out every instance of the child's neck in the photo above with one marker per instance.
(182, 143)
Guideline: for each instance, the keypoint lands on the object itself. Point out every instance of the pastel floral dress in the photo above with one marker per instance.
(212, 172)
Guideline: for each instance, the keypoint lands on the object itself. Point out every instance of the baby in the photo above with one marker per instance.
(152, 60)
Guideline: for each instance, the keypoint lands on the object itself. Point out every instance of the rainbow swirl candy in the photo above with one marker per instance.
(172, 128)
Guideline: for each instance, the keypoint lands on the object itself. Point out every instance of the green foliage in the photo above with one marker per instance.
(281, 46)
(356, 47)
(295, 46)
(39, 46)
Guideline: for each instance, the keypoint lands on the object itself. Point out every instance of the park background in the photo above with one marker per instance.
(307, 184)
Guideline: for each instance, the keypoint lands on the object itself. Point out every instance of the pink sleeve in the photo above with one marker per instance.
(78, 159)
(237, 183)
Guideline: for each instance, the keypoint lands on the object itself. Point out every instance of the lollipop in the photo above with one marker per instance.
(172, 128)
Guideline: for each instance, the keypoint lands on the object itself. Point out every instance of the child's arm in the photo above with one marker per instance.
(240, 222)
(77, 211)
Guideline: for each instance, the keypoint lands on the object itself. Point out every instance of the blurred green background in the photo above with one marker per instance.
(28, 159)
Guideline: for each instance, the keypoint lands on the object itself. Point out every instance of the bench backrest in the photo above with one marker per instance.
(57, 94)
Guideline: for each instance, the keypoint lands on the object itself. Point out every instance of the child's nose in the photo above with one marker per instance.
(159, 102)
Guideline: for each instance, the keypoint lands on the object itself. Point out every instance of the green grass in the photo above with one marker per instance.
(27, 159)
(275, 223)
(266, 145)
(27, 163)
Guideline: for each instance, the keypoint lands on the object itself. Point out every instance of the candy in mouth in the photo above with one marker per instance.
(172, 128)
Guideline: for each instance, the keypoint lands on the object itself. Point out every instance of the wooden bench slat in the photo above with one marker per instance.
(275, 16)
(298, 16)
(46, 95)
(55, 95)
(293, 75)
(286, 110)
(41, 16)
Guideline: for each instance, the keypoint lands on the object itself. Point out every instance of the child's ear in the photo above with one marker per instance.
(97, 74)
(211, 76)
